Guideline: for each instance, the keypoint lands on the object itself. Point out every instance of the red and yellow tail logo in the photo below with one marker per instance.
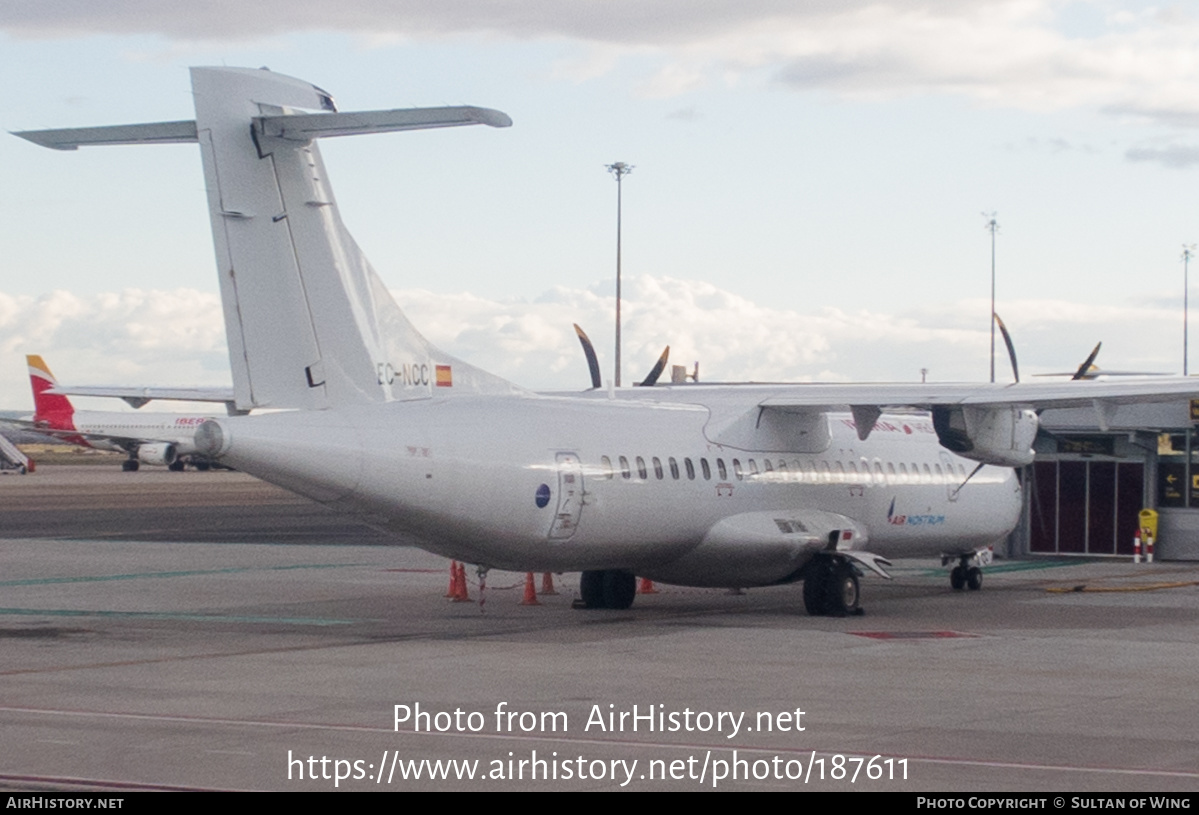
(445, 376)
(54, 409)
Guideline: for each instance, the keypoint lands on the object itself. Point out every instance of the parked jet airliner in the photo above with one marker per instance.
(166, 439)
(697, 485)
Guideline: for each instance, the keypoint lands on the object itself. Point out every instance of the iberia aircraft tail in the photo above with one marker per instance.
(52, 409)
(309, 323)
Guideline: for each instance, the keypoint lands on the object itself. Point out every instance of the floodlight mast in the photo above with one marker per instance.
(1188, 252)
(619, 170)
(992, 226)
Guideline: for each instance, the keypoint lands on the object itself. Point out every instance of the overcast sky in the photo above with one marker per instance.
(806, 200)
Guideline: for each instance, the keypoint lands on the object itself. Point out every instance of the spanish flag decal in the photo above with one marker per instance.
(445, 376)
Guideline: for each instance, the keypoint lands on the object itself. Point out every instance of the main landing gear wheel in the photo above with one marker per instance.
(957, 578)
(130, 465)
(974, 578)
(831, 588)
(176, 466)
(608, 588)
(964, 576)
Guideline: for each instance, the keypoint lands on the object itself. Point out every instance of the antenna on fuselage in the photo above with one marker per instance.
(967, 481)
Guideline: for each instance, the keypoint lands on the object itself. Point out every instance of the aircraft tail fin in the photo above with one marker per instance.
(309, 323)
(51, 408)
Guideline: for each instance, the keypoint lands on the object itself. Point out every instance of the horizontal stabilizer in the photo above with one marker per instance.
(183, 132)
(303, 127)
(137, 397)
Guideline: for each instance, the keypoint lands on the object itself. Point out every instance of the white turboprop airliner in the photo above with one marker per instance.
(166, 439)
(696, 485)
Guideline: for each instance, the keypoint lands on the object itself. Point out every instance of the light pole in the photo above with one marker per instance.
(619, 170)
(1188, 251)
(992, 226)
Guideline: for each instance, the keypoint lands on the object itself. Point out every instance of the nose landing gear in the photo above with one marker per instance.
(967, 574)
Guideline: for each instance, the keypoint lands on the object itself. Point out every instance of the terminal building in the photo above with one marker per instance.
(1095, 473)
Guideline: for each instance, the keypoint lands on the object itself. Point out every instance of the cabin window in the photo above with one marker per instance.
(703, 464)
(606, 467)
(724, 473)
(641, 473)
(753, 467)
(940, 474)
(928, 475)
(903, 473)
(769, 467)
(690, 469)
(891, 478)
(625, 472)
(658, 468)
(825, 474)
(737, 472)
(674, 468)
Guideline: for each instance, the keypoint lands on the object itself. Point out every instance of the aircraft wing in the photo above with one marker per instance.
(987, 404)
(137, 397)
(1034, 395)
(70, 436)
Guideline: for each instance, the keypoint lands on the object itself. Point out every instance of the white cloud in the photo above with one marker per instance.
(113, 338)
(1174, 156)
(1022, 53)
(176, 337)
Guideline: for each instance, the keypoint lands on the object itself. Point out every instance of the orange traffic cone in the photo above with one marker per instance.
(646, 586)
(547, 584)
(452, 591)
(462, 595)
(530, 598)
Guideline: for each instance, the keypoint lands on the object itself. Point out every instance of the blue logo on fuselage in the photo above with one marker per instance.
(912, 520)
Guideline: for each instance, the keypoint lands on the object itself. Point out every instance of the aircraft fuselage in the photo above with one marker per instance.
(568, 483)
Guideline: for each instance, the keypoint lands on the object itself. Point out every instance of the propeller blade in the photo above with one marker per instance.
(589, 352)
(1085, 368)
(1011, 349)
(657, 370)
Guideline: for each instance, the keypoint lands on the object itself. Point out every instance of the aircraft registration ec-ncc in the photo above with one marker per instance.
(698, 485)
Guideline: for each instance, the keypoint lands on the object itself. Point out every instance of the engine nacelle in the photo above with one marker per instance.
(1002, 436)
(162, 453)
